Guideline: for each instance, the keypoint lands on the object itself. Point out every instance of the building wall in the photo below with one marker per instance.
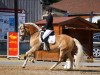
(33, 11)
(33, 8)
(84, 36)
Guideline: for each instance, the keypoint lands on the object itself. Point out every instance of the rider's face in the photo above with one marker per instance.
(47, 12)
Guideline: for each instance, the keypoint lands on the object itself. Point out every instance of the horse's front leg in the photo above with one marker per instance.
(25, 62)
(27, 55)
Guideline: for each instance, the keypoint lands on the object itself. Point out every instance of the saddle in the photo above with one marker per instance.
(51, 39)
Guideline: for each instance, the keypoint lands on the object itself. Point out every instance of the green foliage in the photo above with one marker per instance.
(53, 1)
(48, 2)
(45, 3)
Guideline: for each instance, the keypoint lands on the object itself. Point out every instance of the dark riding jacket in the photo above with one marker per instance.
(49, 22)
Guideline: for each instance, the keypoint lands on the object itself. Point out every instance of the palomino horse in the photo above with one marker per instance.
(64, 45)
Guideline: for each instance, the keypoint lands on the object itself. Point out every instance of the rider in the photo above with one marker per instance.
(48, 27)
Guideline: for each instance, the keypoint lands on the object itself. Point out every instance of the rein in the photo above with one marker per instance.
(33, 24)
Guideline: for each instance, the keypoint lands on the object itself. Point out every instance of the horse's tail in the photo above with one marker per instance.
(79, 54)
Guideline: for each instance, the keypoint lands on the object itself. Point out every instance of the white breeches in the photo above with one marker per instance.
(46, 33)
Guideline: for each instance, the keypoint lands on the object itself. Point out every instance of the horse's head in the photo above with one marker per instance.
(28, 29)
(22, 32)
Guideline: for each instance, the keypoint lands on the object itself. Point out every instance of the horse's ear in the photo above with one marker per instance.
(21, 25)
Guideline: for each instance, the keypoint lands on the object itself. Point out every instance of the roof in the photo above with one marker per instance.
(76, 22)
(94, 19)
(79, 22)
(56, 20)
(78, 6)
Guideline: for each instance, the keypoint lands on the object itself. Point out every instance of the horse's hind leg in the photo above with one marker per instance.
(55, 65)
(60, 59)
(70, 64)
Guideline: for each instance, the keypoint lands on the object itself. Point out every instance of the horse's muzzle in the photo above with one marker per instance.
(22, 38)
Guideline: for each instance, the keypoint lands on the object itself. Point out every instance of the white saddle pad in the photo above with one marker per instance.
(52, 39)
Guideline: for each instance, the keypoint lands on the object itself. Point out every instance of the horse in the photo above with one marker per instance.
(65, 45)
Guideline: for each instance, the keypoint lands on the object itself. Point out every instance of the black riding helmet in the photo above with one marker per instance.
(49, 9)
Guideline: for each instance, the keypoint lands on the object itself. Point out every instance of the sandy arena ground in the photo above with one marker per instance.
(13, 67)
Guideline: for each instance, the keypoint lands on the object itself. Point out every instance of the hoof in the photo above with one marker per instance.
(50, 69)
(69, 69)
(33, 61)
(23, 66)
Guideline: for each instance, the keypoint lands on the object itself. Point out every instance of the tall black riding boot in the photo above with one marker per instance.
(41, 46)
(48, 46)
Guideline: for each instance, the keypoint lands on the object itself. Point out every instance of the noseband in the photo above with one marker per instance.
(23, 31)
(27, 32)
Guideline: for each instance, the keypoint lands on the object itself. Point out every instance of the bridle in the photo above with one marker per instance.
(27, 32)
(33, 24)
(23, 33)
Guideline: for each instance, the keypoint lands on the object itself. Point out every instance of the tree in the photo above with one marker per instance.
(48, 2)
